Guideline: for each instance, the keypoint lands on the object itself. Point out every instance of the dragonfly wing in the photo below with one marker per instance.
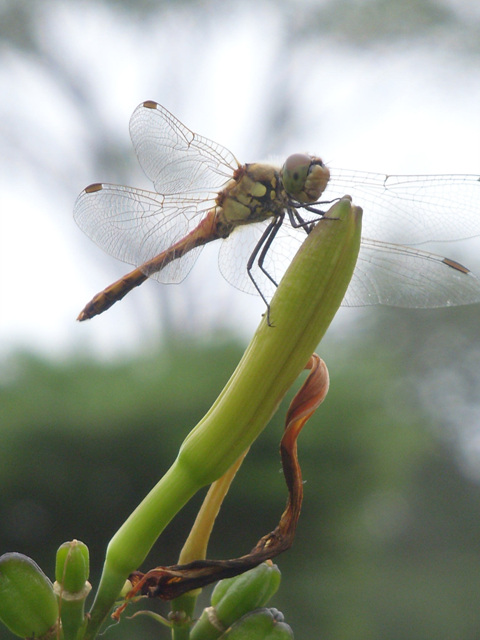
(412, 209)
(174, 158)
(399, 276)
(388, 274)
(177, 270)
(134, 225)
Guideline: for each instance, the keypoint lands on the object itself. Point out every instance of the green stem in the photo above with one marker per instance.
(186, 605)
(301, 311)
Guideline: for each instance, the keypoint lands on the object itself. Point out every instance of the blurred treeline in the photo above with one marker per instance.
(389, 539)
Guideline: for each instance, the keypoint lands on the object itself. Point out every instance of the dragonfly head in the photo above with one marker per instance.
(304, 177)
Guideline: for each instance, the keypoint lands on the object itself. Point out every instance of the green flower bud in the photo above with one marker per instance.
(233, 597)
(72, 586)
(72, 566)
(245, 592)
(28, 606)
(262, 624)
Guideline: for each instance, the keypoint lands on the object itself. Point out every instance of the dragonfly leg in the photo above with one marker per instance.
(267, 243)
(296, 219)
(314, 209)
(262, 248)
(298, 222)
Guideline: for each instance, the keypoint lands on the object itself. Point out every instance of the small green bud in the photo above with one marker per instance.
(28, 606)
(233, 597)
(72, 586)
(251, 589)
(262, 624)
(72, 566)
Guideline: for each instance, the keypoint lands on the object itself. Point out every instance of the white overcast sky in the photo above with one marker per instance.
(398, 107)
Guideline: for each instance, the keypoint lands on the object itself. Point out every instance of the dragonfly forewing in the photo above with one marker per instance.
(412, 209)
(174, 158)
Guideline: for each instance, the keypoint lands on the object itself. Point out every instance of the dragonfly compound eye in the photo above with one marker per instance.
(295, 172)
(304, 177)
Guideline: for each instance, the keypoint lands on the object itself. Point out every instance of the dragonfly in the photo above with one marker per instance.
(260, 213)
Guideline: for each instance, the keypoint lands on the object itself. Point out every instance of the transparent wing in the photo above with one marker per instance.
(400, 276)
(175, 159)
(388, 274)
(412, 209)
(134, 225)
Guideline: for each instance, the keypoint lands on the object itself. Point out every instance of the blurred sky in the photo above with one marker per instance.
(375, 85)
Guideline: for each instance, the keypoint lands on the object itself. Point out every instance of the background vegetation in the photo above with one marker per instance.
(388, 542)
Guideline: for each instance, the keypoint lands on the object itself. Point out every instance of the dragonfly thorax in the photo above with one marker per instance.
(255, 194)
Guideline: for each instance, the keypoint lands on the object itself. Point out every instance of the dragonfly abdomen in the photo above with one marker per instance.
(209, 229)
(116, 291)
